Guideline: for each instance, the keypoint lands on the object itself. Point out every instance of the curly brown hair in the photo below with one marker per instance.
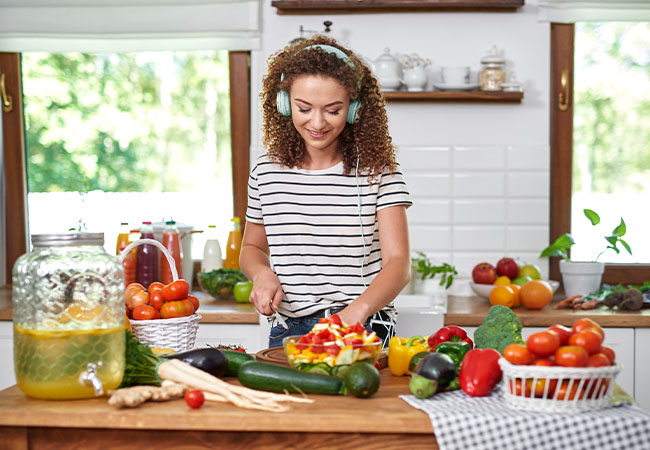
(369, 133)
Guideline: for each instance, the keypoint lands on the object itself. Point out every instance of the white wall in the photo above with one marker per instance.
(478, 173)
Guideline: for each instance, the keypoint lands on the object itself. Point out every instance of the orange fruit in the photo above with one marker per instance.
(536, 294)
(502, 295)
(517, 300)
(502, 281)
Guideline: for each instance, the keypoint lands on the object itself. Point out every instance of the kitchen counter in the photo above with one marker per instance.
(383, 421)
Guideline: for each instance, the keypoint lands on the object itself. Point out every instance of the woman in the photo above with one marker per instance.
(326, 224)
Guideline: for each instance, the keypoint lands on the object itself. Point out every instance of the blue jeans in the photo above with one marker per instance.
(298, 326)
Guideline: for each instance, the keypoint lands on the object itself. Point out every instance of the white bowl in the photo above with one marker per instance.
(483, 290)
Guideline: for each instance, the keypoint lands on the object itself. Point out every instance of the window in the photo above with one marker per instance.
(599, 150)
(84, 170)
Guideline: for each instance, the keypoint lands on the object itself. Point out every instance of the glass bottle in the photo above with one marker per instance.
(492, 72)
(233, 246)
(68, 315)
(211, 251)
(129, 260)
(172, 242)
(148, 257)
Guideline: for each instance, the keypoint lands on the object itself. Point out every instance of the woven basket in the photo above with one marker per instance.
(586, 388)
(178, 333)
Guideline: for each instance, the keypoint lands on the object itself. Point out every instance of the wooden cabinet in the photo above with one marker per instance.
(454, 97)
(392, 6)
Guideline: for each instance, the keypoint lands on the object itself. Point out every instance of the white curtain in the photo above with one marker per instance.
(570, 11)
(128, 25)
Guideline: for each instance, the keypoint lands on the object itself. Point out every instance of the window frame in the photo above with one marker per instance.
(562, 57)
(14, 149)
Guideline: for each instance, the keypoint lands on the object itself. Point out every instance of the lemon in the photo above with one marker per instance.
(503, 281)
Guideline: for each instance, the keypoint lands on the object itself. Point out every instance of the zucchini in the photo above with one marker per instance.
(276, 378)
(235, 361)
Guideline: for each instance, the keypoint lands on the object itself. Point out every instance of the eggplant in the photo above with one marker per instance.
(432, 374)
(210, 360)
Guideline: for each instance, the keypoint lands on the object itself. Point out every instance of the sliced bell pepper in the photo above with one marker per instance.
(456, 350)
(480, 372)
(449, 333)
(400, 352)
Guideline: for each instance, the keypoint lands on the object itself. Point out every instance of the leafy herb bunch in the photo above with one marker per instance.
(427, 269)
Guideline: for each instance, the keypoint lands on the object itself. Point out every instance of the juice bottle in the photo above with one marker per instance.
(233, 246)
(148, 257)
(122, 238)
(171, 240)
(211, 251)
(129, 260)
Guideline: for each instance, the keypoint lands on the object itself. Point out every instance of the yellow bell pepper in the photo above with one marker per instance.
(400, 352)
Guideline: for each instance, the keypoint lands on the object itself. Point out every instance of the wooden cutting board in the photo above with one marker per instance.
(276, 355)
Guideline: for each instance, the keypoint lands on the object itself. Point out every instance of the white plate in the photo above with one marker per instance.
(483, 290)
(455, 87)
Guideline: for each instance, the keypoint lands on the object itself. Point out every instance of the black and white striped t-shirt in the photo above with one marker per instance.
(313, 228)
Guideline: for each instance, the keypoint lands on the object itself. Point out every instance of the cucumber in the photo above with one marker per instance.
(235, 361)
(276, 378)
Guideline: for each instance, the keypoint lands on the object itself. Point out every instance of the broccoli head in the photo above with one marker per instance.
(500, 328)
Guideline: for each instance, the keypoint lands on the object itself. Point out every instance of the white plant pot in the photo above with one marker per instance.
(581, 278)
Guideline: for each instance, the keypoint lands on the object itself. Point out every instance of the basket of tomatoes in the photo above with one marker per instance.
(560, 369)
(162, 316)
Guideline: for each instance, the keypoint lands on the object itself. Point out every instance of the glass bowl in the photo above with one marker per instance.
(329, 358)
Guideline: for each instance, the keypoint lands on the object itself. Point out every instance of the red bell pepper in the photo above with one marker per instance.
(448, 333)
(480, 372)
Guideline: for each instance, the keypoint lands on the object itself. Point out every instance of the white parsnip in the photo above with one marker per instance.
(215, 389)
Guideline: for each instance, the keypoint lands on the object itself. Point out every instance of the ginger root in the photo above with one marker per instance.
(136, 395)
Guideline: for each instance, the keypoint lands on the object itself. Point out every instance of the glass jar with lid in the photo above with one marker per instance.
(68, 315)
(493, 71)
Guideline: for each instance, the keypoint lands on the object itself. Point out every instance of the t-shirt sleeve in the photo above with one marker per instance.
(393, 190)
(254, 209)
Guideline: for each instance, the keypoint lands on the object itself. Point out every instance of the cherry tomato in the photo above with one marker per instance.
(547, 362)
(177, 308)
(156, 299)
(588, 339)
(517, 354)
(194, 398)
(518, 388)
(598, 388)
(145, 312)
(598, 360)
(609, 352)
(582, 324)
(562, 331)
(571, 356)
(564, 392)
(176, 290)
(155, 286)
(543, 343)
(195, 302)
(540, 386)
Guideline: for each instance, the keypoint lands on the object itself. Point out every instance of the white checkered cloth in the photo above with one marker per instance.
(476, 423)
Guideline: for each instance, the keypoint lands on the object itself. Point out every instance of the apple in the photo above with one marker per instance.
(242, 290)
(520, 281)
(484, 273)
(508, 267)
(530, 270)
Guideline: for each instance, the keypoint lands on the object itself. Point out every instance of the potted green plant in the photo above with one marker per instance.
(584, 277)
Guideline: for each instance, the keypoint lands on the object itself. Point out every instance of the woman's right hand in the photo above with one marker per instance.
(267, 293)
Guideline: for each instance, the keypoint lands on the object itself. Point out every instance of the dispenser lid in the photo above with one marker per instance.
(73, 238)
(493, 57)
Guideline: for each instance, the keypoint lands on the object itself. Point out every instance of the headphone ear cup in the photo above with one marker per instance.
(283, 103)
(353, 111)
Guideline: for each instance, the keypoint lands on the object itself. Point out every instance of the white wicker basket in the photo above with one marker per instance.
(586, 388)
(178, 333)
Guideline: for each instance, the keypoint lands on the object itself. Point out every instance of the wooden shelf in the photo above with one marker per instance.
(455, 96)
(392, 6)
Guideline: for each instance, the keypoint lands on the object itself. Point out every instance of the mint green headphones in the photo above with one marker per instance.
(282, 98)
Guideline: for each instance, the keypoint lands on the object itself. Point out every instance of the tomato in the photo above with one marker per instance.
(194, 398)
(564, 392)
(543, 343)
(588, 339)
(178, 308)
(517, 354)
(137, 299)
(356, 328)
(156, 299)
(516, 388)
(582, 324)
(540, 386)
(195, 302)
(598, 388)
(304, 342)
(571, 356)
(562, 331)
(130, 291)
(156, 286)
(332, 349)
(609, 352)
(353, 341)
(547, 362)
(598, 360)
(336, 320)
(176, 290)
(145, 312)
